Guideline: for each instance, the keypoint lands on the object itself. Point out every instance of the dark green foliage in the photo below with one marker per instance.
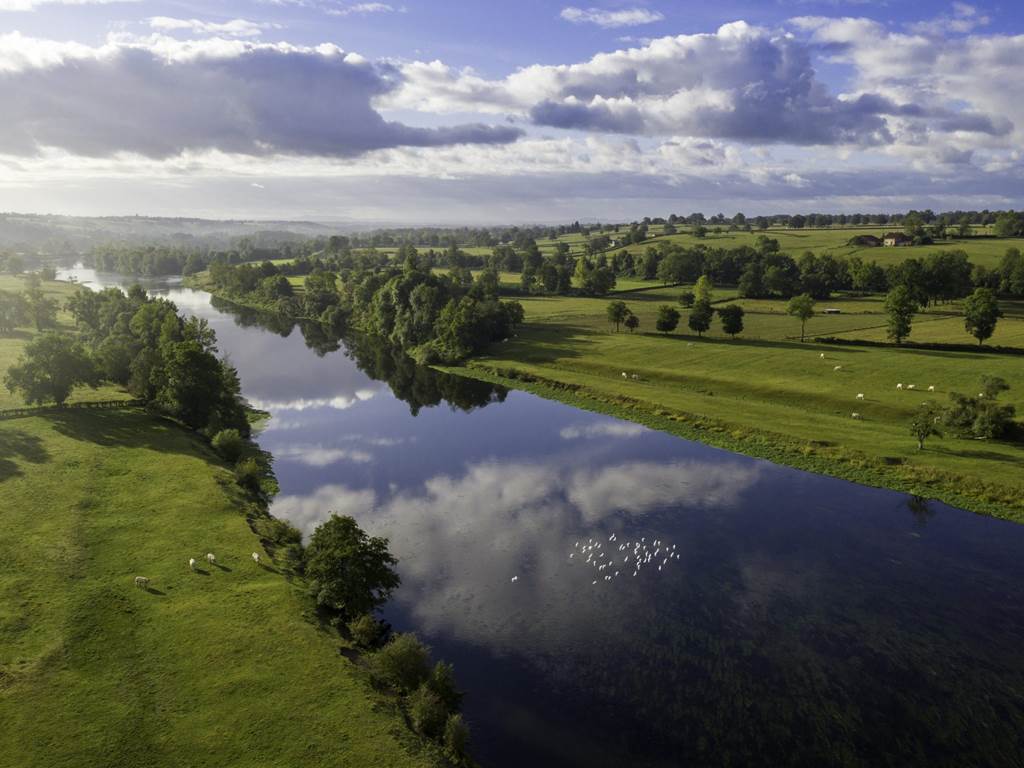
(687, 298)
(230, 444)
(456, 739)
(982, 416)
(700, 317)
(350, 573)
(981, 313)
(442, 683)
(427, 712)
(731, 316)
(49, 368)
(366, 631)
(632, 322)
(802, 308)
(249, 474)
(617, 313)
(404, 663)
(13, 311)
(900, 306)
(668, 319)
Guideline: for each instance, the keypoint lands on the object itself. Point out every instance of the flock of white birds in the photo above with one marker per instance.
(619, 558)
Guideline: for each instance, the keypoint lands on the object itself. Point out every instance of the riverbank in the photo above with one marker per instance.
(772, 398)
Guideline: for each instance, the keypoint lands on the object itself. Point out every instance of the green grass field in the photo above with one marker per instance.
(770, 395)
(217, 667)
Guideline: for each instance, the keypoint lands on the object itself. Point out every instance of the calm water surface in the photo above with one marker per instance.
(800, 620)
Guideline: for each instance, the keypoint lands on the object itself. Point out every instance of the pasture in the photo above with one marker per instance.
(219, 665)
(766, 387)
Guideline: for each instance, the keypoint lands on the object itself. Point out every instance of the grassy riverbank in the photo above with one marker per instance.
(767, 395)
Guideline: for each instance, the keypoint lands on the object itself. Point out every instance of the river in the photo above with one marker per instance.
(752, 615)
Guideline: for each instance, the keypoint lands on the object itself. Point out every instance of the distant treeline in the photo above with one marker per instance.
(157, 260)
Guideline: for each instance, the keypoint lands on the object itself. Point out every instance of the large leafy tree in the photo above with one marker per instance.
(700, 316)
(900, 306)
(50, 368)
(13, 311)
(732, 319)
(668, 319)
(617, 313)
(981, 313)
(350, 573)
(802, 308)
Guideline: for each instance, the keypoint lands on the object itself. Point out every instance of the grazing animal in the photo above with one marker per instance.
(625, 375)
(981, 395)
(860, 395)
(899, 386)
(854, 415)
(822, 355)
(142, 582)
(838, 368)
(192, 563)
(210, 558)
(634, 377)
(911, 386)
(931, 388)
(256, 557)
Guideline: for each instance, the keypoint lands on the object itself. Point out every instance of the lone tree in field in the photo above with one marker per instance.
(700, 317)
(925, 423)
(632, 322)
(981, 313)
(703, 289)
(668, 318)
(732, 319)
(802, 308)
(51, 366)
(13, 311)
(900, 306)
(617, 313)
(349, 572)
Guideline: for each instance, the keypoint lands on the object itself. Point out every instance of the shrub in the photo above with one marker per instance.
(427, 712)
(456, 738)
(230, 444)
(366, 631)
(248, 474)
(442, 683)
(403, 663)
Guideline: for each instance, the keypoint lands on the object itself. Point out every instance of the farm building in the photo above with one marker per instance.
(896, 238)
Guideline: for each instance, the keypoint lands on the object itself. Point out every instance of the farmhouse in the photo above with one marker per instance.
(896, 238)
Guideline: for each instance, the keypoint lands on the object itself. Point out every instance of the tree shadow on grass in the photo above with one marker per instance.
(222, 567)
(18, 445)
(270, 568)
(200, 571)
(126, 428)
(155, 591)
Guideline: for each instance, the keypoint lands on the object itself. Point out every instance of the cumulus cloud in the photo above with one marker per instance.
(337, 402)
(322, 456)
(602, 429)
(629, 17)
(31, 5)
(361, 8)
(232, 28)
(159, 97)
(964, 18)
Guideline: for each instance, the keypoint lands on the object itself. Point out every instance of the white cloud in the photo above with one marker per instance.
(362, 8)
(232, 28)
(31, 5)
(159, 97)
(602, 429)
(322, 456)
(338, 402)
(629, 17)
(965, 18)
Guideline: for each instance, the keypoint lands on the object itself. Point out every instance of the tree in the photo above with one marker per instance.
(925, 423)
(1009, 224)
(802, 308)
(456, 738)
(700, 317)
(51, 366)
(687, 298)
(632, 322)
(350, 573)
(703, 289)
(900, 306)
(41, 308)
(404, 663)
(732, 319)
(191, 383)
(981, 313)
(668, 319)
(427, 712)
(617, 313)
(13, 311)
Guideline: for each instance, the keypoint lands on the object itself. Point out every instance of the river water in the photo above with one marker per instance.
(752, 615)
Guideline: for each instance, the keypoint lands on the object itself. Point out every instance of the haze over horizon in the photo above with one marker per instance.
(451, 112)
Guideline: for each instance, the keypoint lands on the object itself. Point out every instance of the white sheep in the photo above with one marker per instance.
(838, 368)
(899, 386)
(211, 558)
(855, 415)
(142, 582)
(860, 395)
(931, 388)
(625, 375)
(911, 386)
(256, 557)
(822, 355)
(192, 563)
(981, 395)
(634, 377)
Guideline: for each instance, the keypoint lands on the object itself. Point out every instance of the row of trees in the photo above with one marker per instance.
(967, 416)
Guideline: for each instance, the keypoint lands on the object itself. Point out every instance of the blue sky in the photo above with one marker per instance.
(493, 111)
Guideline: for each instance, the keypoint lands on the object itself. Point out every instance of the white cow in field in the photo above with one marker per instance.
(855, 415)
(142, 582)
(256, 557)
(822, 355)
(860, 395)
(899, 386)
(838, 368)
(911, 386)
(211, 558)
(625, 375)
(634, 377)
(931, 388)
(192, 563)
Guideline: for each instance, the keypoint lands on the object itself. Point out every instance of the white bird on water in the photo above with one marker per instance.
(515, 579)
